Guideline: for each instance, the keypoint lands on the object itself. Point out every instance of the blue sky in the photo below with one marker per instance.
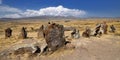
(92, 8)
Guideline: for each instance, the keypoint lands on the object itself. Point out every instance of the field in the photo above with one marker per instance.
(106, 47)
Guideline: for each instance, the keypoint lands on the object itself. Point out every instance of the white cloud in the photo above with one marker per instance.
(55, 11)
(8, 9)
(49, 11)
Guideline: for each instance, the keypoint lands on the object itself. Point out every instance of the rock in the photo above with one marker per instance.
(8, 32)
(27, 49)
(28, 46)
(87, 32)
(40, 32)
(23, 33)
(54, 36)
(69, 46)
(112, 29)
(104, 27)
(75, 34)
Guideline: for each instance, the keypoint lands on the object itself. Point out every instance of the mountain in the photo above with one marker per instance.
(39, 17)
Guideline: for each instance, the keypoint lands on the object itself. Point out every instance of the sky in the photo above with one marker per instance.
(75, 8)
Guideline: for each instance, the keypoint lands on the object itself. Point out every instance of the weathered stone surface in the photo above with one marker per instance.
(87, 32)
(54, 36)
(40, 32)
(8, 32)
(69, 46)
(104, 27)
(29, 46)
(75, 34)
(112, 28)
(23, 33)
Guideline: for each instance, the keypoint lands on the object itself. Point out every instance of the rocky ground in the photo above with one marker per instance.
(107, 47)
(93, 48)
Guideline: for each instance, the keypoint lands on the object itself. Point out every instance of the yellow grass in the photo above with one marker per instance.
(17, 25)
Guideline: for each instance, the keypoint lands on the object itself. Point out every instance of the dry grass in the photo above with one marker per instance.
(79, 24)
(17, 25)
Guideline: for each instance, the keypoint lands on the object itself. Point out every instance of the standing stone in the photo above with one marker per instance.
(75, 34)
(87, 32)
(54, 36)
(23, 33)
(112, 28)
(104, 27)
(8, 32)
(97, 29)
(40, 32)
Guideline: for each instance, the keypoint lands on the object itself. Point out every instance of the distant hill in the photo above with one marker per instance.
(54, 17)
(39, 17)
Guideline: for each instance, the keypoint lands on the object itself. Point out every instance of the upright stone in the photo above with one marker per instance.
(40, 32)
(112, 28)
(8, 32)
(75, 34)
(23, 33)
(54, 36)
(104, 27)
(87, 32)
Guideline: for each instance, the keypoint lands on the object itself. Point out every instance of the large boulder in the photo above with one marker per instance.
(30, 47)
(54, 36)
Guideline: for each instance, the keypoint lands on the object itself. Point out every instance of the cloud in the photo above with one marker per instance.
(49, 11)
(55, 11)
(7, 10)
